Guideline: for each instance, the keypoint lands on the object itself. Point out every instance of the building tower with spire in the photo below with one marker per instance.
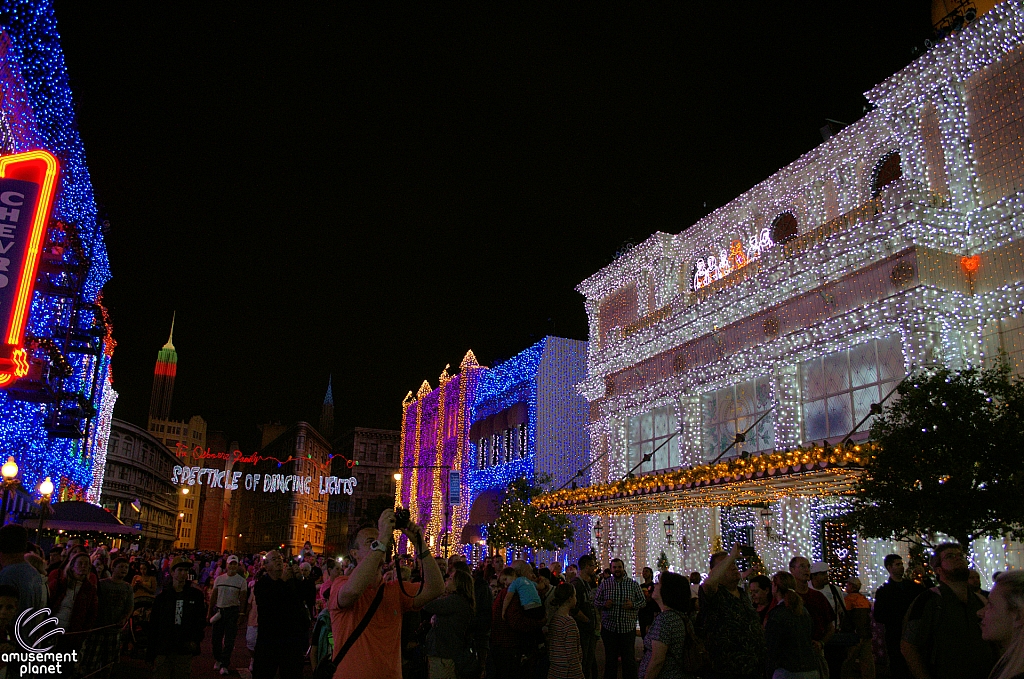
(327, 413)
(163, 380)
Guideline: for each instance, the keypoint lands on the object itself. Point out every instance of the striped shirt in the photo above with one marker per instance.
(566, 659)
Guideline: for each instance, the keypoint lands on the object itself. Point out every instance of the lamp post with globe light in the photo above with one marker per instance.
(10, 479)
(45, 493)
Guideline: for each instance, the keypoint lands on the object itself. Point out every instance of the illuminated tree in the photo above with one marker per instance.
(950, 459)
(520, 525)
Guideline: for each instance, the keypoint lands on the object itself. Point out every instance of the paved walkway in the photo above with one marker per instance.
(202, 665)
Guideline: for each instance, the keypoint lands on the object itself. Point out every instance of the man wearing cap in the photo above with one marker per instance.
(838, 646)
(229, 596)
(176, 623)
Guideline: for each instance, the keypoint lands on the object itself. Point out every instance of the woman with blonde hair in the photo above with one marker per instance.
(787, 630)
(1002, 622)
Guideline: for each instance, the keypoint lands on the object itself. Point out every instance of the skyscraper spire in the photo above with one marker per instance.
(163, 379)
(170, 338)
(327, 412)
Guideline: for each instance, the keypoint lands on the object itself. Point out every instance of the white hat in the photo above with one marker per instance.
(232, 559)
(819, 567)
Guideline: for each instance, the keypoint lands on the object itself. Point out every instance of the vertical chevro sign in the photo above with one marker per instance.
(28, 182)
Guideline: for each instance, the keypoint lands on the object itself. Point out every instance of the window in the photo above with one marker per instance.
(653, 433)
(887, 171)
(735, 409)
(295, 509)
(837, 390)
(389, 454)
(784, 228)
(373, 483)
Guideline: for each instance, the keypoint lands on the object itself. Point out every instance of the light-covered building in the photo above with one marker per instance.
(786, 313)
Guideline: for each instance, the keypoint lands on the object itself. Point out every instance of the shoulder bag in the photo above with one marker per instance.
(326, 668)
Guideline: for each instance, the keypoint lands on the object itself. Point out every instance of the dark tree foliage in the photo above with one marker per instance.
(520, 525)
(950, 459)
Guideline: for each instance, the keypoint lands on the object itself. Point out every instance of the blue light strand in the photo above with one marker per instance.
(36, 54)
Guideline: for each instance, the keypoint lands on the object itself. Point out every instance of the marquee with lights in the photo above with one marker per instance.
(739, 482)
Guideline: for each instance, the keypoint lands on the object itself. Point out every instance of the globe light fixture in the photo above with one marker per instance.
(46, 487)
(9, 470)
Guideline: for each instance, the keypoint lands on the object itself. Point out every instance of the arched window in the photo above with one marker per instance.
(887, 171)
(784, 228)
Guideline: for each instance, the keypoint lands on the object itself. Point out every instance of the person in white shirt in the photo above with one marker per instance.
(229, 597)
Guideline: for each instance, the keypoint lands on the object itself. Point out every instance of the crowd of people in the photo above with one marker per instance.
(416, 616)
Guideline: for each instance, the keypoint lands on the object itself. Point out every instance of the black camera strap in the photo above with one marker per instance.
(357, 632)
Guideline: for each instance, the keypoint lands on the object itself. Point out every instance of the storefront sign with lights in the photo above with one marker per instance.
(28, 182)
(712, 268)
(282, 483)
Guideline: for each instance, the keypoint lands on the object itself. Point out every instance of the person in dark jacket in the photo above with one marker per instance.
(177, 625)
(787, 631)
(282, 622)
(448, 647)
(73, 599)
(482, 624)
(892, 600)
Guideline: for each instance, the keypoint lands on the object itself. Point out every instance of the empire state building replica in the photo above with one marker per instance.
(184, 439)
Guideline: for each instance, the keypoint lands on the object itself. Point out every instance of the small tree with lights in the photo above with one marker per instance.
(950, 459)
(520, 525)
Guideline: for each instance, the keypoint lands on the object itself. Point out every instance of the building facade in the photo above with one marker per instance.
(529, 420)
(137, 487)
(785, 314)
(436, 452)
(371, 456)
(288, 514)
(56, 405)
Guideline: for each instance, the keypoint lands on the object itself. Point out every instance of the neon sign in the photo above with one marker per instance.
(281, 483)
(28, 182)
(710, 269)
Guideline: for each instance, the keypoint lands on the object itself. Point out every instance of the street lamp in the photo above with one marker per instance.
(10, 474)
(398, 476)
(45, 492)
(669, 525)
(598, 528)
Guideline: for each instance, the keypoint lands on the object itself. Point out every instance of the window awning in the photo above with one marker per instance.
(742, 481)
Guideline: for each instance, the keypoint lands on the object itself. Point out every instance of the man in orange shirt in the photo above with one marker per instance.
(377, 653)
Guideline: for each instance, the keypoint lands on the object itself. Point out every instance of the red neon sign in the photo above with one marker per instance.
(28, 182)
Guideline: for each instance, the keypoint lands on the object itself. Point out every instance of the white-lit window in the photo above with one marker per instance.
(735, 409)
(654, 433)
(837, 390)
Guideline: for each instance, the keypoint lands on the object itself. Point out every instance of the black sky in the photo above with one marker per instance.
(317, 191)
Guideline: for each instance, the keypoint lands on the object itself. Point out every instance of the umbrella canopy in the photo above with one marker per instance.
(76, 516)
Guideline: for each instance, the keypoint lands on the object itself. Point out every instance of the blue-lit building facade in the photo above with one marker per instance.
(55, 419)
(529, 419)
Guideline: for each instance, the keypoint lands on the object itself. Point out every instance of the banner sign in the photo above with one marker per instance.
(28, 182)
(268, 483)
(454, 488)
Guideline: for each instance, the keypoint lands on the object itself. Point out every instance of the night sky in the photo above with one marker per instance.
(370, 195)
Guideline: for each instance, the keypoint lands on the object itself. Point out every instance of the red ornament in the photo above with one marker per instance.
(970, 264)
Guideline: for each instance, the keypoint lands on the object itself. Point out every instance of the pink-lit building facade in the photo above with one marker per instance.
(437, 454)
